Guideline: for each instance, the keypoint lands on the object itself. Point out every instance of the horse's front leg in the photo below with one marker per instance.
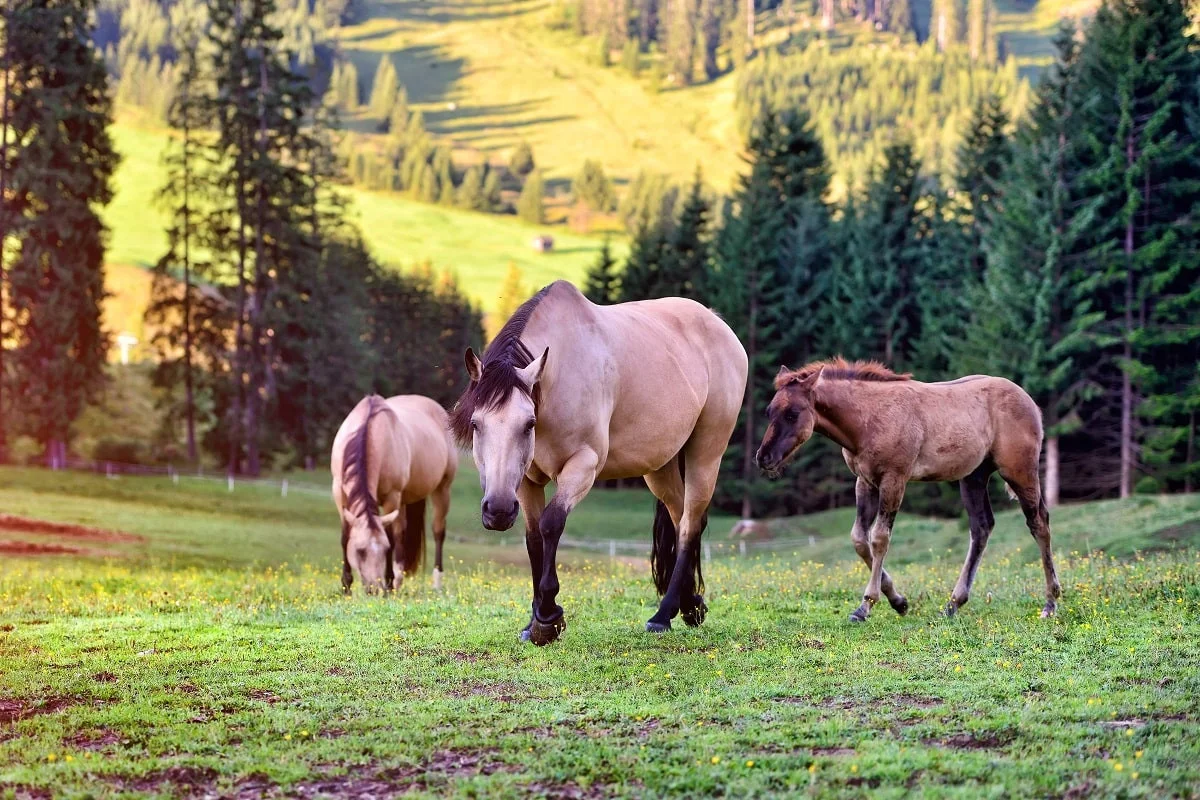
(573, 483)
(891, 494)
(533, 502)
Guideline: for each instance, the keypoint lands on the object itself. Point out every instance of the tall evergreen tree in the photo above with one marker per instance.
(602, 285)
(531, 204)
(57, 111)
(770, 270)
(983, 157)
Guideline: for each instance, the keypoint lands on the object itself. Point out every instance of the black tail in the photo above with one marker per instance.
(412, 544)
(663, 550)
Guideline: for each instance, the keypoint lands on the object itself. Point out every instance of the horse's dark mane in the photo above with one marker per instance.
(354, 464)
(498, 372)
(838, 368)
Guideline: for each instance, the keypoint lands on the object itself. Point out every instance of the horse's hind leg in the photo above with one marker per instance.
(441, 507)
(684, 592)
(866, 500)
(974, 489)
(1024, 483)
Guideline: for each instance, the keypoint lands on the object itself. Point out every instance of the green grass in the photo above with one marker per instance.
(401, 233)
(218, 657)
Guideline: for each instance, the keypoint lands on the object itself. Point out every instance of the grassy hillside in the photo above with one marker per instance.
(400, 233)
(202, 665)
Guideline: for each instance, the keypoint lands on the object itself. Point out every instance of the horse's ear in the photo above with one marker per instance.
(783, 370)
(532, 374)
(809, 381)
(474, 368)
(388, 519)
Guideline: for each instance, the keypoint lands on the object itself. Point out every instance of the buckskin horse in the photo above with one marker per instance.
(649, 388)
(391, 455)
(893, 430)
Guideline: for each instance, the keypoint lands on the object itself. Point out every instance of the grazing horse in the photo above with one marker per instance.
(893, 430)
(649, 389)
(390, 455)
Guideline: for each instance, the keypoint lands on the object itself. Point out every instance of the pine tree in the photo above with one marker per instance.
(530, 205)
(771, 269)
(687, 246)
(491, 192)
(521, 161)
(592, 187)
(397, 121)
(1141, 76)
(470, 194)
(383, 89)
(983, 157)
(57, 112)
(603, 284)
(642, 278)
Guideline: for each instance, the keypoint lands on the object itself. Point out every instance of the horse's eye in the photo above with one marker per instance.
(529, 425)
(474, 425)
(790, 415)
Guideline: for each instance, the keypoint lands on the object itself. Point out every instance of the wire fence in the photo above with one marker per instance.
(800, 537)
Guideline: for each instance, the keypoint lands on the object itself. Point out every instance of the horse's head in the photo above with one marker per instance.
(367, 549)
(501, 425)
(791, 417)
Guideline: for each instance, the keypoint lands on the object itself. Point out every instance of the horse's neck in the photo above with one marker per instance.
(837, 419)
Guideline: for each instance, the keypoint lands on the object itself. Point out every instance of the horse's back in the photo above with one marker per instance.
(423, 427)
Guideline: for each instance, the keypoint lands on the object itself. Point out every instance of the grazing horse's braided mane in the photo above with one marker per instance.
(498, 372)
(354, 464)
(838, 368)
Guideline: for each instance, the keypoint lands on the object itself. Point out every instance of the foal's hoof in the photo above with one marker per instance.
(899, 605)
(658, 627)
(543, 633)
(861, 613)
(951, 609)
(1049, 609)
(695, 615)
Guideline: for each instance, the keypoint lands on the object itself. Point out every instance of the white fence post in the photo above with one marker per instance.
(283, 488)
(707, 552)
(742, 547)
(612, 548)
(229, 478)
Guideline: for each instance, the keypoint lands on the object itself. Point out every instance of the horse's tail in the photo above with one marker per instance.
(663, 551)
(412, 543)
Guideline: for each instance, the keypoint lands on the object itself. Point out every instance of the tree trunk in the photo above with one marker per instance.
(1190, 458)
(749, 27)
(258, 365)
(827, 15)
(1050, 495)
(1126, 383)
(4, 67)
(189, 394)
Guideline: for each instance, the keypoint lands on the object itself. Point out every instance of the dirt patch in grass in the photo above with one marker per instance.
(38, 549)
(501, 691)
(104, 677)
(17, 524)
(14, 709)
(972, 741)
(913, 701)
(32, 793)
(264, 695)
(181, 779)
(93, 740)
(566, 791)
(833, 751)
(1120, 724)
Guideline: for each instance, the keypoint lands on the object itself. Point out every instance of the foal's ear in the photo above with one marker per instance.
(388, 519)
(532, 374)
(783, 370)
(809, 381)
(474, 368)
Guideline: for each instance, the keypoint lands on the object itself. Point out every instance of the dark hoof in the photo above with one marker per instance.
(694, 616)
(658, 627)
(860, 614)
(1049, 610)
(899, 605)
(543, 633)
(951, 609)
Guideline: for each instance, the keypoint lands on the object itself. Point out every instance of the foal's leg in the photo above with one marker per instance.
(441, 507)
(891, 493)
(533, 502)
(1029, 495)
(573, 483)
(974, 490)
(698, 487)
(866, 500)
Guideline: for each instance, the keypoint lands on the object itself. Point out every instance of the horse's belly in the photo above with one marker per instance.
(948, 461)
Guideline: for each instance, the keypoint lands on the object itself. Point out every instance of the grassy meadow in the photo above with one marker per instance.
(211, 654)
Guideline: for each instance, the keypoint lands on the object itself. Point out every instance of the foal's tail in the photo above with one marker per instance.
(412, 544)
(663, 551)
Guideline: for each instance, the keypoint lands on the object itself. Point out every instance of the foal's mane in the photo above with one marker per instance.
(354, 464)
(838, 368)
(498, 371)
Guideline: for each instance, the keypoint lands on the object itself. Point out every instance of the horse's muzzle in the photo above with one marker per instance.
(496, 516)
